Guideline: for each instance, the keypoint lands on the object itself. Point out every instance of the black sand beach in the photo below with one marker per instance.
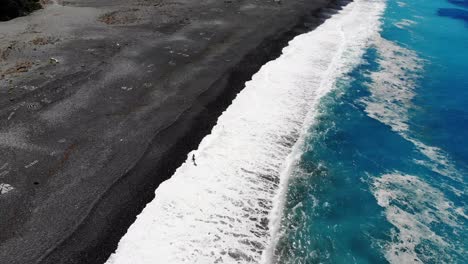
(102, 100)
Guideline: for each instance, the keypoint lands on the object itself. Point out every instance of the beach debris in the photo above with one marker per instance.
(4, 166)
(120, 17)
(5, 171)
(11, 115)
(20, 67)
(41, 41)
(5, 188)
(23, 67)
(31, 164)
(125, 88)
(46, 100)
(53, 61)
(29, 87)
(150, 68)
(33, 106)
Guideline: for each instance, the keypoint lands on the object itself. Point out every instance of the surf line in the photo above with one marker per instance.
(227, 208)
(358, 24)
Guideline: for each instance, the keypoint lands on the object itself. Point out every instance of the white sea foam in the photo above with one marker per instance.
(405, 23)
(401, 4)
(392, 86)
(412, 206)
(218, 210)
(416, 208)
(392, 91)
(358, 28)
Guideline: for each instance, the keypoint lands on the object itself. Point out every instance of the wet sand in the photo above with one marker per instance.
(102, 100)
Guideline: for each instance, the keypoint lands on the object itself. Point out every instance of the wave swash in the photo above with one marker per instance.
(223, 204)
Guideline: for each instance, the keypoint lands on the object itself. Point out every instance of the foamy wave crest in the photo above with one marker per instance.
(358, 25)
(217, 206)
(392, 91)
(418, 210)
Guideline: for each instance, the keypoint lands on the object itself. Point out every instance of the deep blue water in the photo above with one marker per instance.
(369, 189)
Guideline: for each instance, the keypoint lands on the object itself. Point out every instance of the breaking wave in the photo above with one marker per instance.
(223, 204)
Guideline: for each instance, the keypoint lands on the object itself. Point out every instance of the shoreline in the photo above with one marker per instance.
(205, 120)
(174, 237)
(95, 237)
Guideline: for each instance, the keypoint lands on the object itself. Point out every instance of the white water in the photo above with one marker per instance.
(392, 91)
(415, 208)
(219, 210)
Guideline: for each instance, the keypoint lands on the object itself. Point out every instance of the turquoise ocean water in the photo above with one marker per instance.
(383, 176)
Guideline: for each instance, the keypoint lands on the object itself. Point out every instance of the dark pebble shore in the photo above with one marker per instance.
(101, 100)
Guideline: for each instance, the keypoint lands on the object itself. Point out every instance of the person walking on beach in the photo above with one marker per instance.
(193, 159)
